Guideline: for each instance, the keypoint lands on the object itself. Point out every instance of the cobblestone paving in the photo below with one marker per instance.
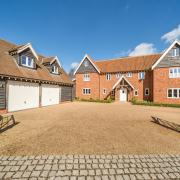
(80, 167)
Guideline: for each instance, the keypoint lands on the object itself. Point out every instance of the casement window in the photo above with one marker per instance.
(173, 93)
(54, 69)
(141, 75)
(113, 93)
(86, 91)
(86, 77)
(27, 61)
(146, 91)
(174, 72)
(118, 75)
(175, 52)
(104, 91)
(108, 77)
(135, 92)
(129, 74)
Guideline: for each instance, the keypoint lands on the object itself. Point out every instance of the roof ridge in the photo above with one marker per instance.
(126, 57)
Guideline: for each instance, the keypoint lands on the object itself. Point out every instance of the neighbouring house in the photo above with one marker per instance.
(29, 80)
(154, 77)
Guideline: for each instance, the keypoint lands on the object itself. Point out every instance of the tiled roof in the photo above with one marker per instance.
(47, 59)
(136, 63)
(9, 67)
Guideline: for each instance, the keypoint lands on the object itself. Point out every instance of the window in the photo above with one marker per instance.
(54, 69)
(175, 52)
(113, 93)
(86, 77)
(27, 61)
(86, 91)
(129, 74)
(108, 77)
(141, 75)
(174, 73)
(86, 63)
(173, 93)
(146, 91)
(135, 92)
(118, 75)
(104, 91)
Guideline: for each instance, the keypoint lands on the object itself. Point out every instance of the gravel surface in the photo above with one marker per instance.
(91, 128)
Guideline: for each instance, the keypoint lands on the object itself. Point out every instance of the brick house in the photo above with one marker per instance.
(154, 77)
(29, 80)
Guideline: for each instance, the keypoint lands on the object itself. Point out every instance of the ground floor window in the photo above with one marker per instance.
(173, 93)
(86, 91)
(104, 91)
(146, 91)
(135, 92)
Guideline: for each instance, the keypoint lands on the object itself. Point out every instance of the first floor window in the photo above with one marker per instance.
(27, 61)
(174, 72)
(108, 77)
(86, 77)
(129, 74)
(141, 75)
(104, 91)
(173, 93)
(135, 92)
(147, 91)
(86, 91)
(118, 75)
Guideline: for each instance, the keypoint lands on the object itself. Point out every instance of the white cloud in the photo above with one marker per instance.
(143, 49)
(74, 65)
(172, 35)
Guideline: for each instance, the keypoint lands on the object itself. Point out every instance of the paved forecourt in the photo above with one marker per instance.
(90, 167)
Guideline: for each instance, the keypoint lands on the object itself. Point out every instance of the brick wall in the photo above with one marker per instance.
(93, 84)
(161, 83)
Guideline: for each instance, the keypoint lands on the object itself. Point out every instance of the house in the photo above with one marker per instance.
(154, 77)
(29, 80)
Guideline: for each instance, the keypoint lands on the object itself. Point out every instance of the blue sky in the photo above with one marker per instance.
(101, 28)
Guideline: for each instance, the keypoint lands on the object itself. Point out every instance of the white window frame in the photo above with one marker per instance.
(86, 91)
(26, 64)
(108, 77)
(86, 63)
(129, 74)
(146, 89)
(118, 75)
(104, 91)
(173, 97)
(173, 74)
(140, 75)
(135, 93)
(86, 77)
(54, 69)
(175, 52)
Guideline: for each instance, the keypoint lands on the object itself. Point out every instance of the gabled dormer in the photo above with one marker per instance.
(52, 64)
(25, 56)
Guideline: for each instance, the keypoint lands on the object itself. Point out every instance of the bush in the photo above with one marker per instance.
(150, 103)
(96, 100)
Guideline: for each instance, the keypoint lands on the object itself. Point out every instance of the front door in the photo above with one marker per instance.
(123, 94)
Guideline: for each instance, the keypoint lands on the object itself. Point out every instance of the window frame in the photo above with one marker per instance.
(54, 69)
(108, 76)
(146, 89)
(118, 75)
(172, 93)
(175, 52)
(174, 74)
(135, 91)
(129, 74)
(104, 91)
(86, 91)
(139, 75)
(27, 58)
(86, 77)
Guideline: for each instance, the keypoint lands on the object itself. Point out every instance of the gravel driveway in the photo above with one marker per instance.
(91, 128)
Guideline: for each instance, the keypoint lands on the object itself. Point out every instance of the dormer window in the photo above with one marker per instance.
(27, 61)
(54, 69)
(175, 52)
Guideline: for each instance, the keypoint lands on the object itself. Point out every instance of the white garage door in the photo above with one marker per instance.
(22, 95)
(50, 94)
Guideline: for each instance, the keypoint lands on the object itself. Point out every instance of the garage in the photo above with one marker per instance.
(22, 95)
(50, 94)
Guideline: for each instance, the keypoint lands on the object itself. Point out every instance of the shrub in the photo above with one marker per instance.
(96, 100)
